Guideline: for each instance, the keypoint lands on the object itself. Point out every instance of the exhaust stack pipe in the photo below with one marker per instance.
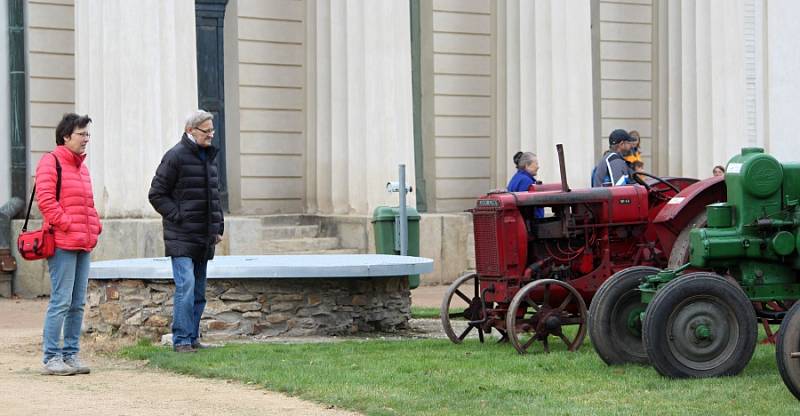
(562, 167)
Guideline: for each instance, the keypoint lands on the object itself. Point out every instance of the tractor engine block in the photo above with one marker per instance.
(755, 235)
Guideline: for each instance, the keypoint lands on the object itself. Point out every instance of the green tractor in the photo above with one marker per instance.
(787, 352)
(701, 319)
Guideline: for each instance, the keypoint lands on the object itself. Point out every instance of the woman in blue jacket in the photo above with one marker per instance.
(527, 167)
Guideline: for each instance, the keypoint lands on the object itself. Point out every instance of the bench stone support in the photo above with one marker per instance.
(142, 308)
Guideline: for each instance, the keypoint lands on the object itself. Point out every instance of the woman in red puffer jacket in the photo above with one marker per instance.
(72, 214)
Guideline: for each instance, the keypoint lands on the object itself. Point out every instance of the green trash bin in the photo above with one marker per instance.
(386, 224)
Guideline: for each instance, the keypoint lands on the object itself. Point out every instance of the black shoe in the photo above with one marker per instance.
(185, 348)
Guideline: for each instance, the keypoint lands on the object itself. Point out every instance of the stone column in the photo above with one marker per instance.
(360, 109)
(136, 76)
(706, 85)
(544, 87)
(783, 93)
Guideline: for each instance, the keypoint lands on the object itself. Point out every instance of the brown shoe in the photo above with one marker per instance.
(185, 348)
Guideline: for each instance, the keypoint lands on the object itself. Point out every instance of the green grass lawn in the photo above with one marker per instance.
(436, 377)
(418, 312)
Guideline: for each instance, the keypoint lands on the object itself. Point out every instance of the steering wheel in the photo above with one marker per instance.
(640, 181)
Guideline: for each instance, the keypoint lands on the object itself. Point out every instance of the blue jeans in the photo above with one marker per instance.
(69, 276)
(190, 299)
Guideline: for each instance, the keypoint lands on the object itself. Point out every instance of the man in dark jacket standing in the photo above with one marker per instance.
(185, 191)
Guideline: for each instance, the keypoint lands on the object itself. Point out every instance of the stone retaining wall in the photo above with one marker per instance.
(264, 307)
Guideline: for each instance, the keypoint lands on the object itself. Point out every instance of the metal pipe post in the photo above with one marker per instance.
(403, 213)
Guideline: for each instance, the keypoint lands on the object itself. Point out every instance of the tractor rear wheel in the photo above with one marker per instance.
(531, 319)
(615, 327)
(681, 249)
(699, 325)
(463, 300)
(787, 352)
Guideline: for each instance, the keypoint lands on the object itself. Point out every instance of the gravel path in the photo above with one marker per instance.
(120, 387)
(117, 387)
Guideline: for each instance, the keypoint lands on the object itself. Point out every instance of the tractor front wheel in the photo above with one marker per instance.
(615, 327)
(699, 325)
(542, 309)
(787, 352)
(463, 300)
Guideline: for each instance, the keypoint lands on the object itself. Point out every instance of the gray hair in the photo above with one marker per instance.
(197, 118)
(526, 159)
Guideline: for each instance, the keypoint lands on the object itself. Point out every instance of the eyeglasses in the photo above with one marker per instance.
(83, 134)
(209, 131)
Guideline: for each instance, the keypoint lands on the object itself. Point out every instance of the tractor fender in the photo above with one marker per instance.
(679, 211)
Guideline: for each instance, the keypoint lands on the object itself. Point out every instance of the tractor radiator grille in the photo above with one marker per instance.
(487, 256)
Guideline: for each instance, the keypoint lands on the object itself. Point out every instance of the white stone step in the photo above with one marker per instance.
(285, 220)
(289, 231)
(299, 244)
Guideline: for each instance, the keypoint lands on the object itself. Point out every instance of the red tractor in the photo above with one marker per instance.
(534, 276)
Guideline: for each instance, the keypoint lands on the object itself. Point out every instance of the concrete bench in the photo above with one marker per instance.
(266, 296)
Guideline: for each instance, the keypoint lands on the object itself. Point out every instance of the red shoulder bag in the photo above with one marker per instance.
(39, 244)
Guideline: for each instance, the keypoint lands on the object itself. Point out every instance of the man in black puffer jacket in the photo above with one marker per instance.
(185, 191)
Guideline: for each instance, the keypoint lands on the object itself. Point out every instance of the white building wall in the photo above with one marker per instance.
(463, 102)
(137, 79)
(545, 88)
(271, 49)
(507, 77)
(754, 65)
(323, 91)
(626, 73)
(705, 85)
(51, 72)
(324, 104)
(360, 107)
(783, 92)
